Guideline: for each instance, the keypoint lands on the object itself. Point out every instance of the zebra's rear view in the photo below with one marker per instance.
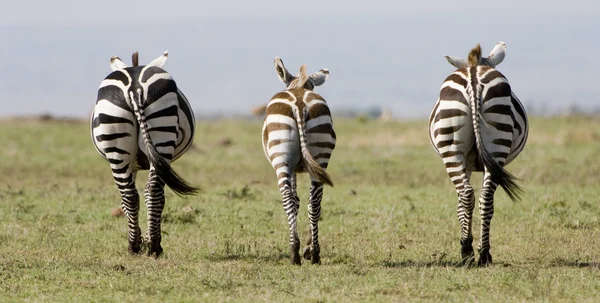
(297, 137)
(142, 121)
(477, 126)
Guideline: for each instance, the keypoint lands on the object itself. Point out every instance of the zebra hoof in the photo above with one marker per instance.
(485, 258)
(307, 254)
(295, 259)
(311, 254)
(466, 251)
(467, 254)
(134, 248)
(154, 249)
(156, 252)
(316, 259)
(295, 253)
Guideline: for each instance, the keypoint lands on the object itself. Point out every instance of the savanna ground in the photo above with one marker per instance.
(389, 230)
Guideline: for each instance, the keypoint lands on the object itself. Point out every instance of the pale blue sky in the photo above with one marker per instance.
(380, 53)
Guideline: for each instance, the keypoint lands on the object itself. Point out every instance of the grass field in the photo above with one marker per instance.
(389, 230)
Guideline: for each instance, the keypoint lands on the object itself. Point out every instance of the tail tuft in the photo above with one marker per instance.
(161, 165)
(170, 176)
(474, 56)
(502, 177)
(315, 170)
(499, 175)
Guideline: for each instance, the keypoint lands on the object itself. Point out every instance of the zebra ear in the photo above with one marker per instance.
(160, 61)
(282, 72)
(116, 63)
(319, 77)
(497, 54)
(456, 61)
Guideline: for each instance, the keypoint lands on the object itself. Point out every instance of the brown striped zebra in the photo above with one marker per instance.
(298, 137)
(477, 126)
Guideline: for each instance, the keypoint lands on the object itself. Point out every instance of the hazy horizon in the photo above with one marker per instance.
(221, 54)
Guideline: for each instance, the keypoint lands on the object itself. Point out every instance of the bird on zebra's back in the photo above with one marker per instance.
(142, 121)
(297, 137)
(477, 124)
(495, 57)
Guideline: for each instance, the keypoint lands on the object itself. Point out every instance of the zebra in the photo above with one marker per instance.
(298, 136)
(142, 121)
(475, 125)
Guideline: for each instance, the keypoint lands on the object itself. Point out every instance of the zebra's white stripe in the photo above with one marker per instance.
(298, 136)
(121, 109)
(476, 126)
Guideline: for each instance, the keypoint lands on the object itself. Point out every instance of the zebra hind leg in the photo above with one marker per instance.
(486, 211)
(291, 205)
(312, 251)
(155, 201)
(306, 253)
(466, 204)
(130, 203)
(293, 179)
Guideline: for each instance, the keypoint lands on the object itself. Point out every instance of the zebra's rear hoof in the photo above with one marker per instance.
(134, 248)
(295, 253)
(485, 258)
(316, 259)
(295, 259)
(154, 249)
(466, 252)
(307, 253)
(311, 254)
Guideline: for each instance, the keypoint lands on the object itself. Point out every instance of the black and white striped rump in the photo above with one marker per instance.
(142, 121)
(477, 125)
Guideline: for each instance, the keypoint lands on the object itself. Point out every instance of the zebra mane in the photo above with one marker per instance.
(135, 59)
(474, 56)
(300, 80)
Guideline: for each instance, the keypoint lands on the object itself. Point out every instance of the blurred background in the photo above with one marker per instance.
(384, 56)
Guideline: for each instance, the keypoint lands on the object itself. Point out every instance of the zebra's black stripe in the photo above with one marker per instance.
(134, 102)
(455, 131)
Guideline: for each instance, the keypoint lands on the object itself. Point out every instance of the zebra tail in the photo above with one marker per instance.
(500, 176)
(314, 169)
(162, 166)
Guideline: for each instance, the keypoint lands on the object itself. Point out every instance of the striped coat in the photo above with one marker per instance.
(142, 121)
(298, 137)
(496, 57)
(476, 125)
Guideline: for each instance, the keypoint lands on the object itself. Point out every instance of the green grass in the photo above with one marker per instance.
(389, 230)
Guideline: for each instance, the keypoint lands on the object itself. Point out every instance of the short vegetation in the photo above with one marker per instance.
(389, 230)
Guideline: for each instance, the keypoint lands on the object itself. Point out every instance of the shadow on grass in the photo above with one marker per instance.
(275, 257)
(559, 262)
(435, 263)
(412, 263)
(456, 264)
